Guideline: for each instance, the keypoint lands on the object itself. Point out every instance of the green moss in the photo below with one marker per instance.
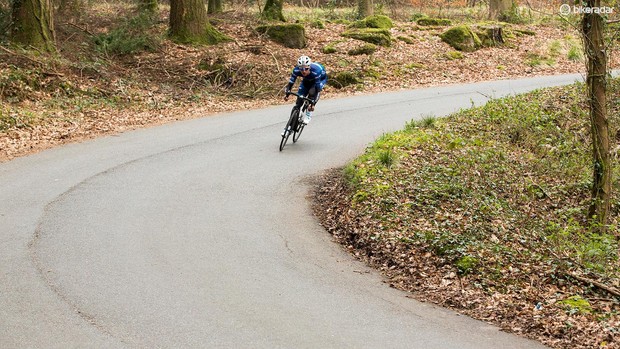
(452, 55)
(490, 33)
(427, 21)
(318, 24)
(414, 17)
(461, 38)
(273, 11)
(214, 36)
(376, 21)
(366, 49)
(289, 35)
(577, 304)
(406, 39)
(415, 66)
(524, 32)
(210, 36)
(329, 49)
(343, 79)
(466, 264)
(381, 37)
(372, 73)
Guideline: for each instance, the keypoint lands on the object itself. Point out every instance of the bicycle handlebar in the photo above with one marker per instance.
(302, 97)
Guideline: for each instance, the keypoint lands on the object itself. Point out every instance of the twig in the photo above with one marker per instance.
(21, 55)
(535, 10)
(52, 73)
(274, 58)
(7, 50)
(82, 29)
(69, 38)
(600, 285)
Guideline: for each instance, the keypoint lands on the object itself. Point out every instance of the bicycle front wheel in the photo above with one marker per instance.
(300, 127)
(300, 123)
(284, 139)
(290, 127)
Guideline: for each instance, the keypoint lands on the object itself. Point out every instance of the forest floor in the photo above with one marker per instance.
(89, 91)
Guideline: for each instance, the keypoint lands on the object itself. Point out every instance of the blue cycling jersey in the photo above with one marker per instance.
(317, 76)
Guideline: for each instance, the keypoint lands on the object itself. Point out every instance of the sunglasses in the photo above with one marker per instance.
(305, 68)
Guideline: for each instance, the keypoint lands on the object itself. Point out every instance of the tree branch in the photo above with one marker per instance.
(17, 54)
(600, 285)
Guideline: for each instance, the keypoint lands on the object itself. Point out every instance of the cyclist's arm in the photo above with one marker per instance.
(320, 83)
(294, 75)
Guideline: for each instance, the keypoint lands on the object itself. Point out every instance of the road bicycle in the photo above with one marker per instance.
(295, 123)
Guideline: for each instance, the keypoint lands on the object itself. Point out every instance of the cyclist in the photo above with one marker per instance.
(314, 78)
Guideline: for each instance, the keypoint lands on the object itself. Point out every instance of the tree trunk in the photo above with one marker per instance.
(273, 10)
(215, 6)
(596, 60)
(189, 24)
(33, 24)
(364, 8)
(498, 9)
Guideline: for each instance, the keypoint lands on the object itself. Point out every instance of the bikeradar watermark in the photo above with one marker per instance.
(567, 9)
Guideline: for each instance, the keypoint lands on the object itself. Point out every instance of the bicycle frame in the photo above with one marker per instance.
(306, 100)
(295, 125)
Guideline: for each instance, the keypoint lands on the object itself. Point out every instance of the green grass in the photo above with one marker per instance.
(534, 60)
(505, 185)
(131, 36)
(11, 118)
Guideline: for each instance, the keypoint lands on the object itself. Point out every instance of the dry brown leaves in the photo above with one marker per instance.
(169, 84)
(528, 311)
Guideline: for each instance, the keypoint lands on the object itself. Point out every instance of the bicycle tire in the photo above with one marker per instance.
(283, 141)
(297, 133)
(290, 127)
(300, 124)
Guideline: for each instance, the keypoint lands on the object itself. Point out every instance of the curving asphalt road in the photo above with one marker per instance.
(198, 234)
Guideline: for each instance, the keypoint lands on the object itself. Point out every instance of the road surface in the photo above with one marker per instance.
(198, 234)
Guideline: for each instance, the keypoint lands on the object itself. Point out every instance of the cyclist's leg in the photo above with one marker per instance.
(303, 90)
(312, 92)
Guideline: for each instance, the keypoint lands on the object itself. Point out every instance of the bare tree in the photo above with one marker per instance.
(596, 79)
(214, 6)
(365, 8)
(189, 24)
(33, 24)
(273, 10)
(499, 8)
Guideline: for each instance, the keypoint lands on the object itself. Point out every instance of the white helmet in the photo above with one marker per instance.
(304, 61)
